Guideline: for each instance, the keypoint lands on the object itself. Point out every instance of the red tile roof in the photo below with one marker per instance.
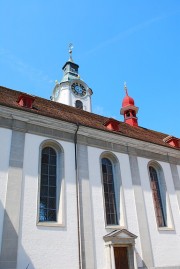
(63, 112)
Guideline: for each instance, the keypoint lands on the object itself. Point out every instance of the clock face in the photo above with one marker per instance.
(78, 89)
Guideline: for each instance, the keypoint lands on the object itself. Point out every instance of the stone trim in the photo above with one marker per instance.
(86, 223)
(167, 267)
(176, 180)
(164, 267)
(145, 238)
(87, 136)
(117, 239)
(10, 233)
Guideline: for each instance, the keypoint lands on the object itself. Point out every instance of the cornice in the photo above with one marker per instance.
(120, 139)
(33, 123)
(30, 118)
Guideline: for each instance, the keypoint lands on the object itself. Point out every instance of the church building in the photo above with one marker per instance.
(83, 191)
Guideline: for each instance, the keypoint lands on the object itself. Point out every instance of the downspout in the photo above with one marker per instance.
(77, 197)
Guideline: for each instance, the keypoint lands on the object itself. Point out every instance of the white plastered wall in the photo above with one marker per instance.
(85, 100)
(97, 205)
(165, 242)
(5, 138)
(64, 95)
(68, 98)
(130, 206)
(43, 246)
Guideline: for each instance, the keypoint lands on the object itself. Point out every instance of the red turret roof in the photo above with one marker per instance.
(127, 101)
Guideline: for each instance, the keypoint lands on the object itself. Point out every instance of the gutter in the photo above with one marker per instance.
(78, 198)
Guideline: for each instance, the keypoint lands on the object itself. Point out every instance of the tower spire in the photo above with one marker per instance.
(125, 88)
(70, 52)
(129, 110)
(72, 90)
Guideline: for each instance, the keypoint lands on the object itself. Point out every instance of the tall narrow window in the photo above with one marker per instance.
(48, 185)
(157, 197)
(109, 192)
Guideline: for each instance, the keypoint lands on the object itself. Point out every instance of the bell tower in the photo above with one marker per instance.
(72, 90)
(129, 110)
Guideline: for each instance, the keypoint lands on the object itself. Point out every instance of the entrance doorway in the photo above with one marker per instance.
(121, 257)
(120, 249)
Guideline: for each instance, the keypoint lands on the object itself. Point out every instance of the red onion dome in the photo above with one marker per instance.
(127, 101)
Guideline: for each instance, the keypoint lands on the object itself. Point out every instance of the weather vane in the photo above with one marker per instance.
(125, 88)
(70, 51)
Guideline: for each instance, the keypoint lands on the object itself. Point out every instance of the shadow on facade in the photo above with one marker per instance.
(12, 253)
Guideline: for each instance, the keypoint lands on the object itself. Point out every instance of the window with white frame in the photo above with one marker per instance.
(160, 196)
(109, 192)
(48, 188)
(51, 184)
(112, 190)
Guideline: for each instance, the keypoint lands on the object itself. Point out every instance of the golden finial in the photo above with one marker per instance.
(125, 88)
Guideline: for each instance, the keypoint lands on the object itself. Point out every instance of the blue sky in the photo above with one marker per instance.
(114, 41)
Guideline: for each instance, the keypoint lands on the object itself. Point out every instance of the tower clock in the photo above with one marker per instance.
(72, 90)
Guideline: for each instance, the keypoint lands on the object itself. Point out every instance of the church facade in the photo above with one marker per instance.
(83, 191)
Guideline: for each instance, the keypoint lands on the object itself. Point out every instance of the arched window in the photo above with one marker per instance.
(127, 115)
(133, 113)
(109, 192)
(79, 104)
(48, 185)
(159, 196)
(51, 195)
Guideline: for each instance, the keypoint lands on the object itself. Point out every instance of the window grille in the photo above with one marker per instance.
(109, 192)
(48, 197)
(156, 192)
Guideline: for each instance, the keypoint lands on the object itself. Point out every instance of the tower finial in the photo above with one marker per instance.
(70, 52)
(125, 88)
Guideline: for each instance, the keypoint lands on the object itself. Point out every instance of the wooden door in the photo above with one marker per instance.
(121, 257)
